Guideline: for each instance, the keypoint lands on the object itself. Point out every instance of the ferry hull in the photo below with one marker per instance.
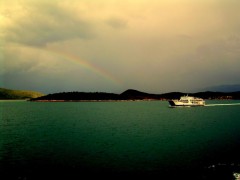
(180, 104)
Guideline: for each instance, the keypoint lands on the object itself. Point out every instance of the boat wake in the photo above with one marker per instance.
(232, 104)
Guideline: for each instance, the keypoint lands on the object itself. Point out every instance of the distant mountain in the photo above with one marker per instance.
(131, 94)
(224, 88)
(134, 94)
(18, 94)
(78, 96)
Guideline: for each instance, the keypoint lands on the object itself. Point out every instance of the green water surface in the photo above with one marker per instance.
(122, 138)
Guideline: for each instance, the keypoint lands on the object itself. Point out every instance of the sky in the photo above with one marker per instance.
(155, 46)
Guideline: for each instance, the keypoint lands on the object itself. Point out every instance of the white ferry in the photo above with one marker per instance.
(187, 101)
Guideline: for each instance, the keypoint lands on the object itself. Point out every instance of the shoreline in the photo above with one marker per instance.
(1, 100)
(127, 100)
(111, 100)
(120, 100)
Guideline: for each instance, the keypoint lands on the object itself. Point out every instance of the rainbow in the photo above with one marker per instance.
(86, 65)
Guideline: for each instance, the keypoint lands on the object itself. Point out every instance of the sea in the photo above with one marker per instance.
(119, 139)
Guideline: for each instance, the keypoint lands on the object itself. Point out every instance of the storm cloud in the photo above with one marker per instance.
(41, 23)
(110, 45)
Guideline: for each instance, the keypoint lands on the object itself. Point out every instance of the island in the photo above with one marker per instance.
(131, 95)
(10, 94)
(128, 95)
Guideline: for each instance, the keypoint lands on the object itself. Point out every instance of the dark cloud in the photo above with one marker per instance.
(116, 22)
(44, 23)
(149, 45)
